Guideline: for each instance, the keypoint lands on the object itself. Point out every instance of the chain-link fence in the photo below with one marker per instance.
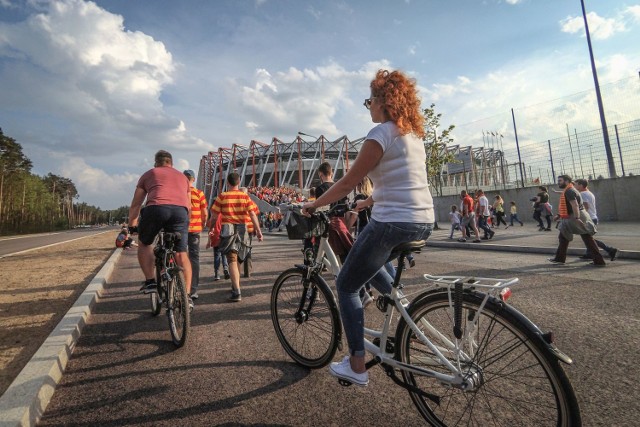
(561, 136)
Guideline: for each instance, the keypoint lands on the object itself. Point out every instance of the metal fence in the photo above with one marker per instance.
(579, 154)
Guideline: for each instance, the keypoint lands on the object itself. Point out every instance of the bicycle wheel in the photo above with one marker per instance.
(156, 304)
(178, 308)
(518, 381)
(306, 319)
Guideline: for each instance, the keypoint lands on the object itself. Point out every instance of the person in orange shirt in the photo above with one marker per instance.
(234, 205)
(197, 217)
(250, 233)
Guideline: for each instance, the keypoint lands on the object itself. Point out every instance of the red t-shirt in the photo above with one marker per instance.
(468, 203)
(165, 185)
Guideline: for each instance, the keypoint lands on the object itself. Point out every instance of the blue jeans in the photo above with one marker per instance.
(219, 258)
(482, 223)
(514, 217)
(365, 263)
(194, 257)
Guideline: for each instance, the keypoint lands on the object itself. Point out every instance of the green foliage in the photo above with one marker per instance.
(436, 147)
(30, 203)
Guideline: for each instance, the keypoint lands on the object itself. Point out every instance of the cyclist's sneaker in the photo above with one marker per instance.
(149, 287)
(190, 302)
(343, 371)
(226, 274)
(194, 295)
(235, 297)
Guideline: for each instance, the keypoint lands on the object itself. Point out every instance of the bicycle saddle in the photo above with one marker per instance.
(407, 247)
(172, 237)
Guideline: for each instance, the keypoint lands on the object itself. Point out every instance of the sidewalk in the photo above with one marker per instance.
(625, 236)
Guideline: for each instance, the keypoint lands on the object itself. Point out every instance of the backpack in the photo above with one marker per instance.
(120, 240)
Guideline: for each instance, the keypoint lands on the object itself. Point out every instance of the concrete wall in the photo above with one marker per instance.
(617, 199)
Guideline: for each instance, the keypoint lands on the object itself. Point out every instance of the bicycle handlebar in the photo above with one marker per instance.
(338, 210)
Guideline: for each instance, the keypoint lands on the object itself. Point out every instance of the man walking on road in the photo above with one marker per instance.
(197, 217)
(589, 202)
(167, 193)
(468, 217)
(574, 219)
(234, 206)
(483, 214)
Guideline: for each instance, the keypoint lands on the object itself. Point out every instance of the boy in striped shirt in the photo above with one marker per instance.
(234, 205)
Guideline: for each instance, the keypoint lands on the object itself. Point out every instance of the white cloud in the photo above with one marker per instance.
(530, 87)
(513, 1)
(92, 88)
(92, 183)
(633, 12)
(284, 102)
(599, 27)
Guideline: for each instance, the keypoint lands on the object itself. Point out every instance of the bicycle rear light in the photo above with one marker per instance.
(505, 294)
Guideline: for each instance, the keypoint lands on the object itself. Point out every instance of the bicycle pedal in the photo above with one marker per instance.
(344, 383)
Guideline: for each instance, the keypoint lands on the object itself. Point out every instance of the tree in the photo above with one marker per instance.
(436, 147)
(12, 161)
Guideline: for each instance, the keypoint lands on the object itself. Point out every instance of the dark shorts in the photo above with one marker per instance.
(171, 218)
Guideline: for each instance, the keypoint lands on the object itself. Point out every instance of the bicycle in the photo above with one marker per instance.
(464, 355)
(172, 291)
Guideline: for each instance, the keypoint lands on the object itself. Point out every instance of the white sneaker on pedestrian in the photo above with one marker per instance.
(342, 370)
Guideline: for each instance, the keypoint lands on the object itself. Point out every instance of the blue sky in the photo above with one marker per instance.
(92, 89)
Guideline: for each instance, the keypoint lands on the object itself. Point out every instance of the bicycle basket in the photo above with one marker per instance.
(301, 227)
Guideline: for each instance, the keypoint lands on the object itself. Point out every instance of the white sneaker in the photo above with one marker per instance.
(343, 371)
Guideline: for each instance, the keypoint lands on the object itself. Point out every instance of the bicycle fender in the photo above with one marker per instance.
(524, 320)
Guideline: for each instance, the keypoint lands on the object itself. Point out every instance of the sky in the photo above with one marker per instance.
(91, 90)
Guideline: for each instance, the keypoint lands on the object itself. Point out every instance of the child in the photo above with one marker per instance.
(514, 214)
(454, 217)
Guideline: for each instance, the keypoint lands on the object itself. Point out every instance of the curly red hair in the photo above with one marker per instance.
(400, 99)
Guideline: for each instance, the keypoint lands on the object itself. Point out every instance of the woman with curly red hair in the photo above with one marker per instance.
(393, 157)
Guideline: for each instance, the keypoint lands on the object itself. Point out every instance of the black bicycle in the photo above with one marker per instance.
(172, 291)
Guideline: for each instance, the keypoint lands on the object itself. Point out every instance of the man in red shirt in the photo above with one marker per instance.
(234, 205)
(198, 216)
(468, 217)
(167, 193)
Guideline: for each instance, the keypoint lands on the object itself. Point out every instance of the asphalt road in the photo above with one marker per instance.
(125, 371)
(13, 244)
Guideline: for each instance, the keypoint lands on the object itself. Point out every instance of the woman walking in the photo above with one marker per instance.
(498, 209)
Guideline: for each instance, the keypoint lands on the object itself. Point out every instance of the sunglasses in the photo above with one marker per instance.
(367, 102)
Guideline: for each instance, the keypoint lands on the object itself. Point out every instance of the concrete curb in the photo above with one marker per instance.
(27, 397)
(622, 254)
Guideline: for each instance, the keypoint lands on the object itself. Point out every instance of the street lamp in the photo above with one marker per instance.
(605, 131)
(306, 134)
(593, 169)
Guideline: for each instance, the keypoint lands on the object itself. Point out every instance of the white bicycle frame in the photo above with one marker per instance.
(492, 286)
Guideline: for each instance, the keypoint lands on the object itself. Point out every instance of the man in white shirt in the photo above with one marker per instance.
(589, 202)
(483, 214)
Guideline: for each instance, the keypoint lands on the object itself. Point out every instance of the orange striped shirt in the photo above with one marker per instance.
(234, 206)
(250, 227)
(198, 204)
